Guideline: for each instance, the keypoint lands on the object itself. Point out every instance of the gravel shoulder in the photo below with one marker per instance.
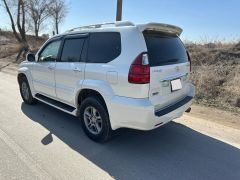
(226, 118)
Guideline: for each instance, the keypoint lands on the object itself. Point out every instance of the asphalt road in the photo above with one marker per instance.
(40, 142)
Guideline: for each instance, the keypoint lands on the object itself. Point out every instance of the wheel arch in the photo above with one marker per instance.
(96, 87)
(86, 92)
(25, 72)
(21, 76)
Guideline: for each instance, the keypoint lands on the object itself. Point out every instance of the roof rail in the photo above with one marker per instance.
(109, 24)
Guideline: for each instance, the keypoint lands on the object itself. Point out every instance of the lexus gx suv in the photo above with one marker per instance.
(111, 76)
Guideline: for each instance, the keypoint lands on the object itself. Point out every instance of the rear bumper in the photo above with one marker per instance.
(173, 107)
(140, 113)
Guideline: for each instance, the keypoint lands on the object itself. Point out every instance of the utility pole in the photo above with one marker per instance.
(119, 10)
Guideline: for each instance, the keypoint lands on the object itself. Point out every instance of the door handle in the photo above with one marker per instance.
(50, 67)
(77, 70)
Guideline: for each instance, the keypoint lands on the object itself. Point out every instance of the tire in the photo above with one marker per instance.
(94, 117)
(25, 92)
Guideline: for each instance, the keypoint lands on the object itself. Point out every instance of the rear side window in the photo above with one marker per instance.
(164, 49)
(104, 47)
(72, 49)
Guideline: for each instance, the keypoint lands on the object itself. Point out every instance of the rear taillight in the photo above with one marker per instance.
(139, 72)
(189, 60)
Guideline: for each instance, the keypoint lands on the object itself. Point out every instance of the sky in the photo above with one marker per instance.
(201, 20)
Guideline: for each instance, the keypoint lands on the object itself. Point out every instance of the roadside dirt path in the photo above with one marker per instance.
(226, 118)
(8, 65)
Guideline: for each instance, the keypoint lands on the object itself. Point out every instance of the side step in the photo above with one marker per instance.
(54, 103)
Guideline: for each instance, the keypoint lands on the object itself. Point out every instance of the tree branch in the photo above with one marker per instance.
(12, 21)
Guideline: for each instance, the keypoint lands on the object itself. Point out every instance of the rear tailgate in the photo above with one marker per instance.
(169, 66)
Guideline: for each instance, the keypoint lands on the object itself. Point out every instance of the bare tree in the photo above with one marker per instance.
(58, 11)
(38, 13)
(20, 24)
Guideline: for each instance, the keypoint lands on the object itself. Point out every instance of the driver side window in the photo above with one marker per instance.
(50, 52)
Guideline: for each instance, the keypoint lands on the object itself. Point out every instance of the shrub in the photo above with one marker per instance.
(216, 74)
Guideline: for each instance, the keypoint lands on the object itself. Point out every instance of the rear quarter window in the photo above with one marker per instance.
(104, 47)
(164, 49)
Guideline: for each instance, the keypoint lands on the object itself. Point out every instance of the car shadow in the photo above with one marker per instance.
(173, 151)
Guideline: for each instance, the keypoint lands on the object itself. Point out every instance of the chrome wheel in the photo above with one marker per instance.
(25, 90)
(93, 120)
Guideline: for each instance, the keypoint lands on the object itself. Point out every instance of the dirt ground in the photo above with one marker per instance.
(9, 65)
(226, 118)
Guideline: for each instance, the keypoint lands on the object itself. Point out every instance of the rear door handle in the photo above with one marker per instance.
(50, 67)
(77, 70)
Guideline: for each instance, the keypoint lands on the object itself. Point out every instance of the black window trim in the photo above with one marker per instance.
(49, 42)
(73, 36)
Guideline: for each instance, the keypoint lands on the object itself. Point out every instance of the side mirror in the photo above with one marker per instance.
(30, 57)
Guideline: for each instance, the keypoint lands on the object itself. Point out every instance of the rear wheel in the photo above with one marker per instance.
(25, 92)
(95, 119)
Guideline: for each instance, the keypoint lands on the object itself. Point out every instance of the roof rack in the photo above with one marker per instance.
(109, 24)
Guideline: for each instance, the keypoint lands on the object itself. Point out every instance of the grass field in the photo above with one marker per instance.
(216, 74)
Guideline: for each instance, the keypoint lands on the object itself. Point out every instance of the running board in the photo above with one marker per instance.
(59, 105)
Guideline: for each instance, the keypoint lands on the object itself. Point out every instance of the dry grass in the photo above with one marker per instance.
(9, 45)
(216, 74)
(8, 50)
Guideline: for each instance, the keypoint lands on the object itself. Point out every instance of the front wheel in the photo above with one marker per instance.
(26, 92)
(95, 119)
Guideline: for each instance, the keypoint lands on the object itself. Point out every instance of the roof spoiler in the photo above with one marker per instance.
(161, 27)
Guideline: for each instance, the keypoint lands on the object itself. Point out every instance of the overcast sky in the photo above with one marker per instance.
(200, 19)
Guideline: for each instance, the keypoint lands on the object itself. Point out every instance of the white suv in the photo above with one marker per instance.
(112, 75)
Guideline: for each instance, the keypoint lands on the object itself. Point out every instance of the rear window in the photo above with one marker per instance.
(104, 47)
(164, 49)
(72, 50)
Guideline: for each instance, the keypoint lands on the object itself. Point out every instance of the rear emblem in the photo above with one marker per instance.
(177, 68)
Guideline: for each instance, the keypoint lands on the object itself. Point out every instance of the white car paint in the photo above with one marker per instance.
(129, 105)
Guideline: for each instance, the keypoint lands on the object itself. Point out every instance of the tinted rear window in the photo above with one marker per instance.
(164, 49)
(104, 47)
(72, 50)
